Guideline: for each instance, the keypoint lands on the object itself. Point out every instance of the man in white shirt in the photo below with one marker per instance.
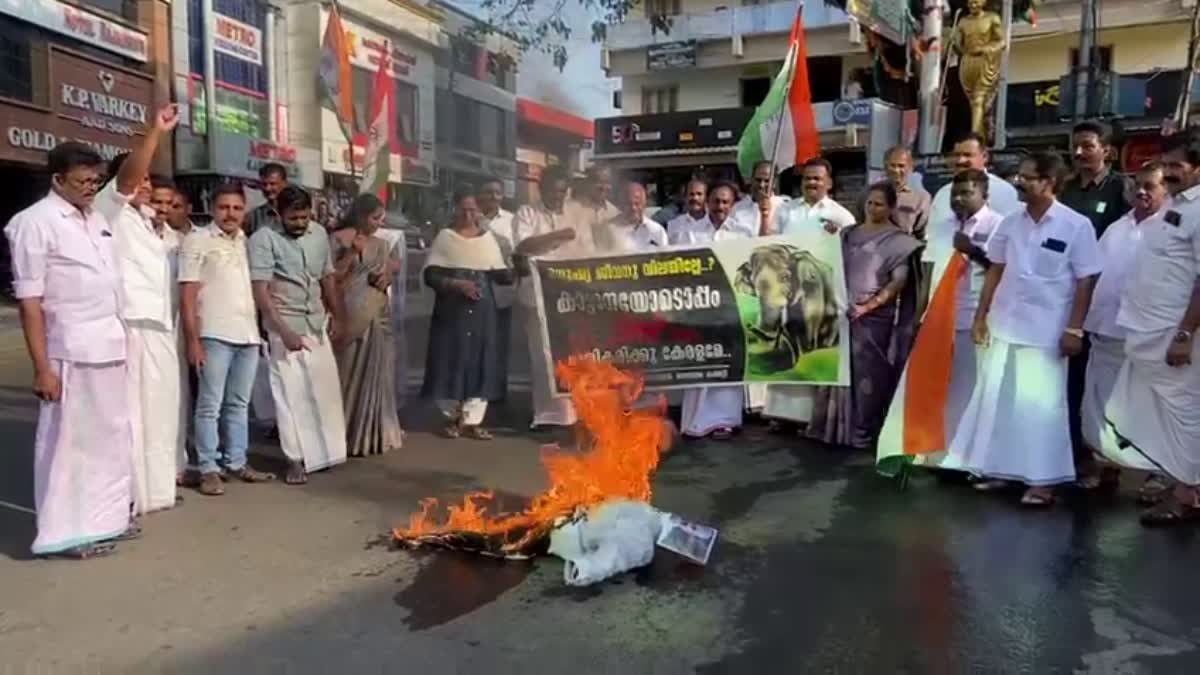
(631, 230)
(756, 211)
(1155, 404)
(1029, 321)
(220, 328)
(714, 411)
(787, 404)
(815, 209)
(970, 152)
(498, 221)
(974, 225)
(692, 226)
(146, 250)
(1119, 247)
(589, 210)
(542, 231)
(66, 279)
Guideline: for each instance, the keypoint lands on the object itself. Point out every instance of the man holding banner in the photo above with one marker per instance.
(715, 412)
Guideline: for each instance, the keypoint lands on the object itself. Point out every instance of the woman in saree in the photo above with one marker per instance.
(364, 268)
(880, 280)
(464, 367)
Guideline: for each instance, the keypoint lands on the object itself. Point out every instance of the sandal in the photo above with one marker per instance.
(990, 485)
(1041, 500)
(211, 485)
(134, 531)
(248, 475)
(1108, 480)
(452, 430)
(722, 434)
(476, 432)
(1169, 512)
(1153, 490)
(84, 552)
(296, 475)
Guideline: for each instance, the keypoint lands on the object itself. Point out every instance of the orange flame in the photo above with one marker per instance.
(618, 451)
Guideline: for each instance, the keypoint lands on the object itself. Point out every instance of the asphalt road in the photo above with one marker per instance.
(821, 567)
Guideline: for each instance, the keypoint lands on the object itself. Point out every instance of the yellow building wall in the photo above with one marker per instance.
(1134, 50)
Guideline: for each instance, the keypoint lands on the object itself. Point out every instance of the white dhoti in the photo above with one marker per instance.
(1015, 426)
(82, 482)
(1155, 408)
(1104, 363)
(756, 397)
(156, 414)
(308, 403)
(792, 402)
(262, 398)
(708, 409)
(547, 408)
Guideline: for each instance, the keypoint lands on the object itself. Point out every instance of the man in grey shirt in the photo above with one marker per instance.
(291, 269)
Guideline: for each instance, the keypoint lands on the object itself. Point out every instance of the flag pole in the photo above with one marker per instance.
(763, 226)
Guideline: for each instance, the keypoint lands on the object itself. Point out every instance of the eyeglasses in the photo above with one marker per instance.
(81, 183)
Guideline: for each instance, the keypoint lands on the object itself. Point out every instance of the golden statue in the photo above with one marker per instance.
(979, 40)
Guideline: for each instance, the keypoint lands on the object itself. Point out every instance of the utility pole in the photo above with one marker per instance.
(1000, 109)
(931, 74)
(1184, 106)
(1085, 69)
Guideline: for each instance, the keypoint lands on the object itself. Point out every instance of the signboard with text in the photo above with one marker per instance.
(91, 101)
(239, 40)
(671, 55)
(689, 317)
(80, 24)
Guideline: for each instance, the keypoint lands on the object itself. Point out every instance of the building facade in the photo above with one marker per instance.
(93, 71)
(546, 137)
(688, 91)
(410, 34)
(231, 53)
(477, 101)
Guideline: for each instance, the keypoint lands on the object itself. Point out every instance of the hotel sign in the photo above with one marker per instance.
(239, 40)
(81, 25)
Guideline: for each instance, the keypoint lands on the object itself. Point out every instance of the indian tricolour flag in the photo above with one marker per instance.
(378, 162)
(783, 128)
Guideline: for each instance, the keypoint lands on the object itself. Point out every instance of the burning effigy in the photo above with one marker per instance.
(618, 449)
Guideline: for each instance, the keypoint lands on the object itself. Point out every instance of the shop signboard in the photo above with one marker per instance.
(671, 55)
(80, 24)
(91, 101)
(237, 39)
(670, 131)
(242, 156)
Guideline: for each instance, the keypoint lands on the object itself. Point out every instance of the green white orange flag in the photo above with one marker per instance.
(915, 427)
(785, 118)
(335, 75)
(378, 162)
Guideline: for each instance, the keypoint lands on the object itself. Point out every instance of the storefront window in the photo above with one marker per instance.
(407, 123)
(16, 61)
(241, 85)
(483, 128)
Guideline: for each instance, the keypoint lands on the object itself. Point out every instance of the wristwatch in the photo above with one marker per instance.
(1076, 332)
(1182, 335)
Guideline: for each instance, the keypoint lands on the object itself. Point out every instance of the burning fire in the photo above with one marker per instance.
(619, 448)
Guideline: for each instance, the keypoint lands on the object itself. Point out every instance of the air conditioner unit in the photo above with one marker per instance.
(1116, 95)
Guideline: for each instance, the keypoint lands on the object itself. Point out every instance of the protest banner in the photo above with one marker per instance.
(768, 309)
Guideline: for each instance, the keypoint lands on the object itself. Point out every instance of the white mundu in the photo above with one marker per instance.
(709, 409)
(1015, 426)
(1155, 407)
(147, 259)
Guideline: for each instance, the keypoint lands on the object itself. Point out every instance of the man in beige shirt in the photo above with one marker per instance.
(221, 334)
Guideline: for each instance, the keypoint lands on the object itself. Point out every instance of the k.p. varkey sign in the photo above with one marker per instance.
(81, 25)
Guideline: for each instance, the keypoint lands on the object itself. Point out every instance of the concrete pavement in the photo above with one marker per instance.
(821, 567)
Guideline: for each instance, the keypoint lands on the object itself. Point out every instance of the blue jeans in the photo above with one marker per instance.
(223, 402)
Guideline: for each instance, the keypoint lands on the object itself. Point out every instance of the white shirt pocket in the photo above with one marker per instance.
(1048, 262)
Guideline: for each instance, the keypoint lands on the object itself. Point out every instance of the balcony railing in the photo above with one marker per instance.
(723, 24)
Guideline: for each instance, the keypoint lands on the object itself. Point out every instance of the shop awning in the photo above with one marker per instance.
(538, 114)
